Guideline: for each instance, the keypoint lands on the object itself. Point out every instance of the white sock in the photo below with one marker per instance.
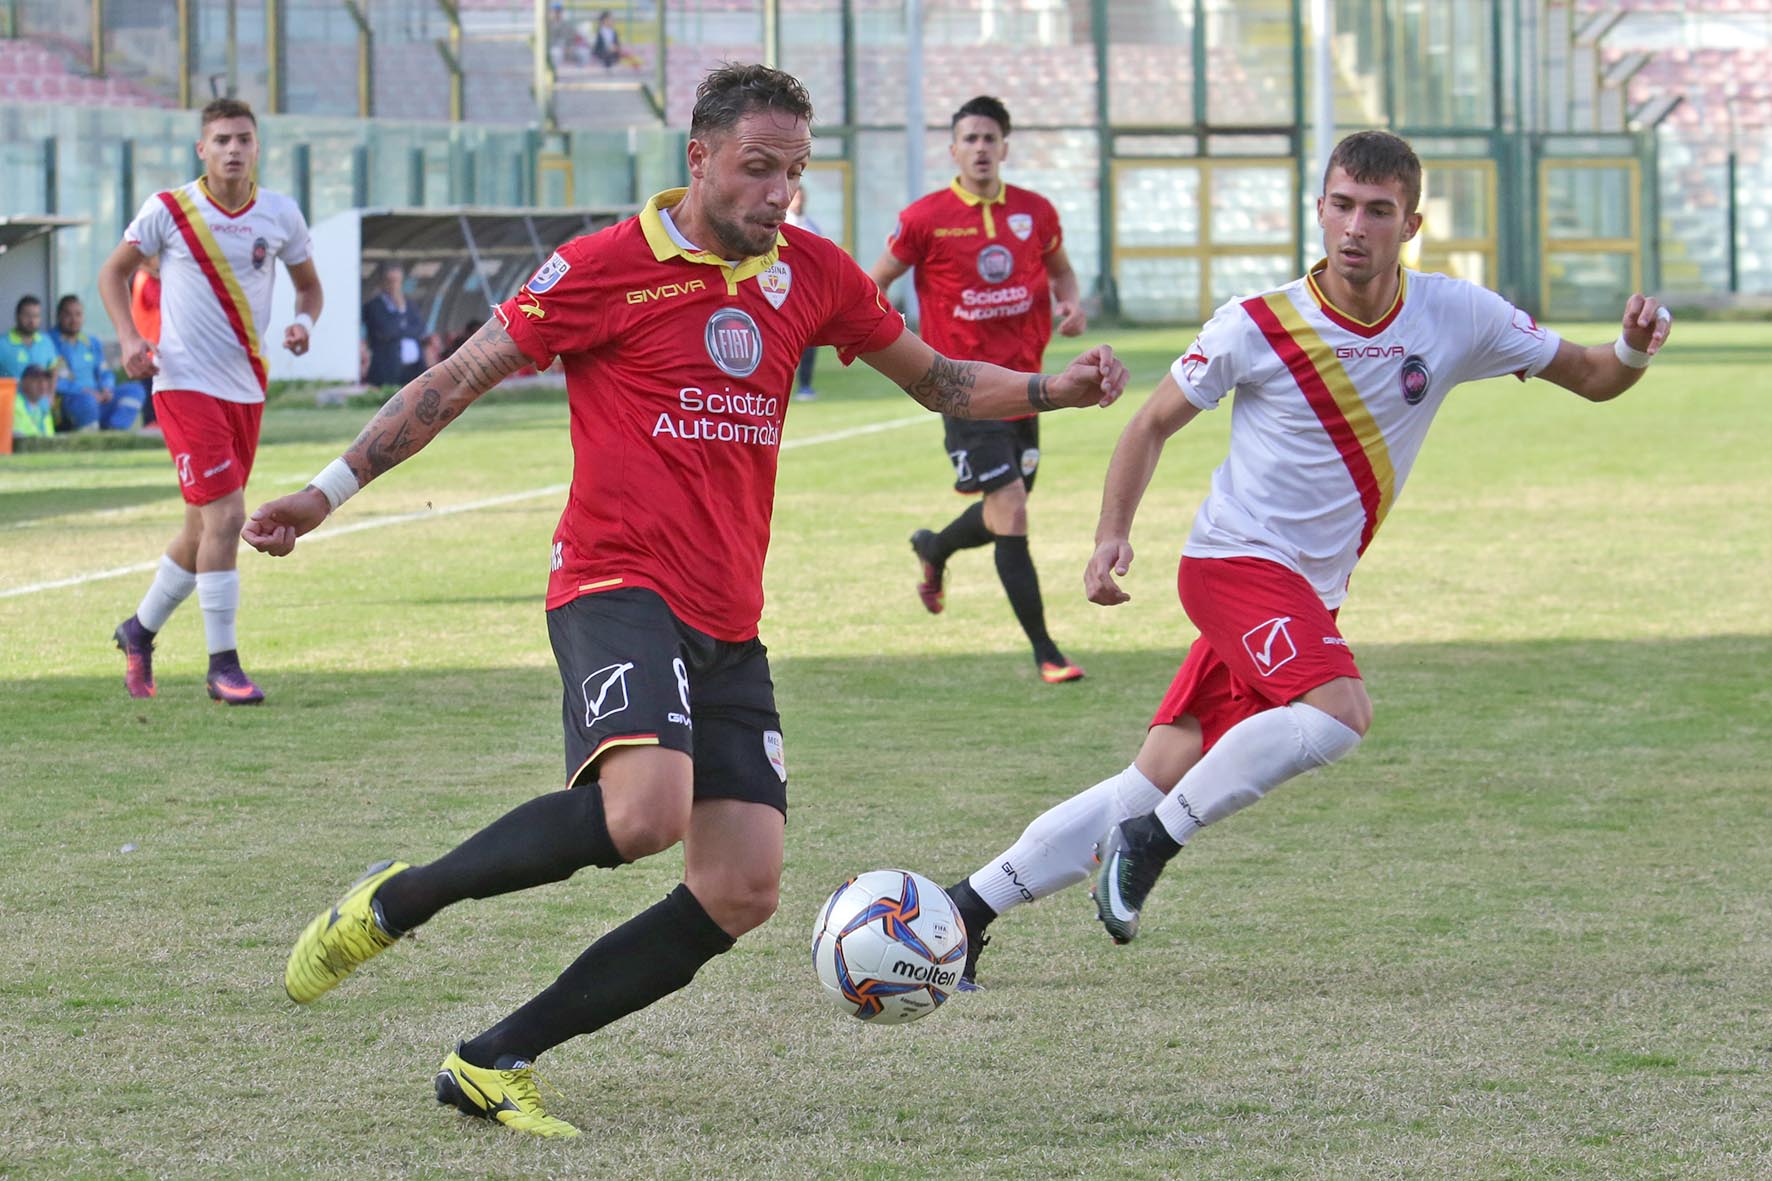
(1254, 756)
(172, 585)
(1058, 848)
(218, 593)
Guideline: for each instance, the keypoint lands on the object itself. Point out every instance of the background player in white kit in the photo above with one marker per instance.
(218, 239)
(1338, 376)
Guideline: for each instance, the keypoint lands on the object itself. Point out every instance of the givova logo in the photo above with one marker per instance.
(734, 342)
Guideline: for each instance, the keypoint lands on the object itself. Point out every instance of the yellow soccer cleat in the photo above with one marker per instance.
(340, 938)
(508, 1096)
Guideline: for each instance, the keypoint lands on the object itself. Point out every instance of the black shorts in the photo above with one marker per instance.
(633, 674)
(988, 455)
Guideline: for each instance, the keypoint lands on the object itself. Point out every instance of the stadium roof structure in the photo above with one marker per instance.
(18, 229)
(462, 259)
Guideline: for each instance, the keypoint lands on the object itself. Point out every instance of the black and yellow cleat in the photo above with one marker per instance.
(507, 1094)
(340, 938)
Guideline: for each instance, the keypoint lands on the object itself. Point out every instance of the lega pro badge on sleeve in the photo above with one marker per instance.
(552, 271)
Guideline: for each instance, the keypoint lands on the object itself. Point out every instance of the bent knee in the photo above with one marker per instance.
(744, 907)
(1345, 700)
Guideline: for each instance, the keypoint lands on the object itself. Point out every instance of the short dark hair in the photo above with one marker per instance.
(227, 108)
(1373, 157)
(25, 301)
(986, 105)
(33, 371)
(61, 304)
(734, 90)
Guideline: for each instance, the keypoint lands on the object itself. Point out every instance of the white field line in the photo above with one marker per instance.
(324, 534)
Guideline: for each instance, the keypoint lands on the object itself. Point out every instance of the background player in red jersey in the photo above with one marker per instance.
(679, 330)
(1337, 377)
(990, 263)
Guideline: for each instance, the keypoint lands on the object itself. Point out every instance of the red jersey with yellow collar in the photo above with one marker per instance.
(678, 374)
(981, 272)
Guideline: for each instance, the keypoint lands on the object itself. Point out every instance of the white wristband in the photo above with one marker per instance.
(336, 483)
(306, 321)
(1629, 357)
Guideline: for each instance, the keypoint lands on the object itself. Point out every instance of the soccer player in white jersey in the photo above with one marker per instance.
(1337, 376)
(217, 239)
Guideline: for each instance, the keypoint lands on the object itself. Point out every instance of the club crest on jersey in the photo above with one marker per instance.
(552, 271)
(775, 283)
(1415, 379)
(995, 263)
(1021, 225)
(261, 250)
(734, 342)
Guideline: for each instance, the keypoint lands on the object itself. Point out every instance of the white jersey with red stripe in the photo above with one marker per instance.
(1331, 412)
(216, 270)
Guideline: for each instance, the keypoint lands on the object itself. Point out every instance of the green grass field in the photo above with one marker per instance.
(1524, 932)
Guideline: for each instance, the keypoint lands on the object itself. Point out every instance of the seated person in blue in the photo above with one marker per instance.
(27, 344)
(90, 395)
(33, 411)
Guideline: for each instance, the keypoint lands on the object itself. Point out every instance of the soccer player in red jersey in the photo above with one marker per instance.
(990, 263)
(217, 240)
(680, 330)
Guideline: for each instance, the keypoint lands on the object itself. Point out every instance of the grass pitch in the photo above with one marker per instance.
(1523, 932)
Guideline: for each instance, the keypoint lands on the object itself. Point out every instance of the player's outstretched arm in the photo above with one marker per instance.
(1067, 294)
(887, 271)
(400, 429)
(113, 289)
(309, 299)
(975, 389)
(1604, 371)
(1129, 474)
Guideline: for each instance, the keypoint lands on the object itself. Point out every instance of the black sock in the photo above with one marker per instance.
(965, 531)
(975, 912)
(1015, 566)
(1147, 834)
(648, 957)
(547, 839)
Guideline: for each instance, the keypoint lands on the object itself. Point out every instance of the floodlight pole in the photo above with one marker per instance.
(1323, 95)
(914, 119)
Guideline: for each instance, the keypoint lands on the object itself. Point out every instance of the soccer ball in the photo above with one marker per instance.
(889, 946)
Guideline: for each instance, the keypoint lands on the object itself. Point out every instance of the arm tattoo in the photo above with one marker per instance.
(404, 425)
(947, 387)
(1040, 393)
(482, 362)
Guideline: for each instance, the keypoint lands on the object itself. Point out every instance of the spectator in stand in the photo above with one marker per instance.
(567, 46)
(90, 397)
(144, 313)
(27, 344)
(395, 330)
(33, 406)
(605, 44)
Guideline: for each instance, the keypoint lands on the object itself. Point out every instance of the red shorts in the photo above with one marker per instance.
(1265, 640)
(212, 441)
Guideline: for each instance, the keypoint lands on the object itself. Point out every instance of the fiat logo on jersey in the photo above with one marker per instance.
(1415, 379)
(734, 342)
(995, 263)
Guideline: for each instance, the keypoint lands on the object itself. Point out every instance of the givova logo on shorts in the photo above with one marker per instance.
(734, 342)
